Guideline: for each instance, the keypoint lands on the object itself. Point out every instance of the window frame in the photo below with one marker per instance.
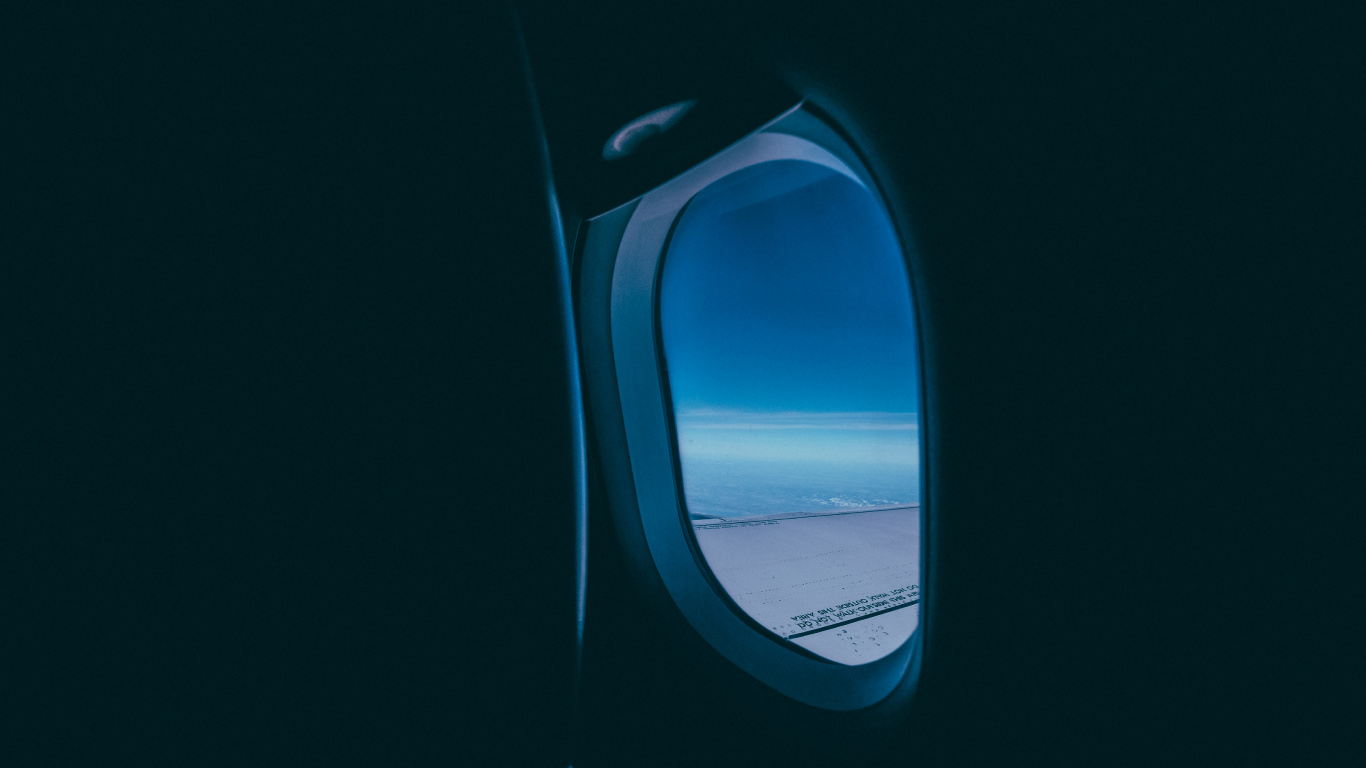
(628, 244)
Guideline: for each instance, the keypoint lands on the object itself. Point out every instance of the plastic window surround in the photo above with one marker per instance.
(634, 338)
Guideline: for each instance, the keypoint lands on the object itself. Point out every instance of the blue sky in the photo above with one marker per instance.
(787, 324)
(784, 290)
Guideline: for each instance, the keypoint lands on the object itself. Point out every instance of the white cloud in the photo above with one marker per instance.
(859, 421)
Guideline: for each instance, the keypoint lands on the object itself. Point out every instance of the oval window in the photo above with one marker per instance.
(789, 347)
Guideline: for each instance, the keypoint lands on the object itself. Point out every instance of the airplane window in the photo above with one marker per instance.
(789, 342)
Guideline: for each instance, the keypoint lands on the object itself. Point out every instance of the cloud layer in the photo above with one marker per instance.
(857, 421)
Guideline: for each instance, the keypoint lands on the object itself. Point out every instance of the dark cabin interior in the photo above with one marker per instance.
(296, 455)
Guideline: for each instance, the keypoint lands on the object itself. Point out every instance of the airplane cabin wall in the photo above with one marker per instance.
(1135, 318)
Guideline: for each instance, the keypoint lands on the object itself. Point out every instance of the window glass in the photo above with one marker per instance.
(789, 343)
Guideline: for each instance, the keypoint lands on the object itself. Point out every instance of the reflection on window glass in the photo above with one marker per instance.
(789, 342)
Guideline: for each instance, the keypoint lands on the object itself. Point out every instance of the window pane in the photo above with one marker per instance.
(789, 341)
